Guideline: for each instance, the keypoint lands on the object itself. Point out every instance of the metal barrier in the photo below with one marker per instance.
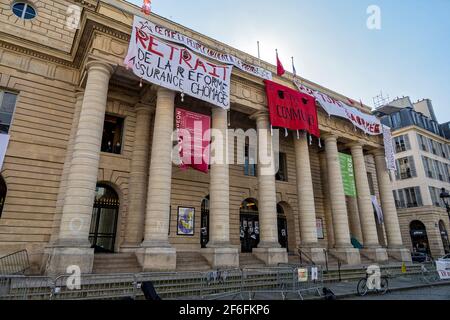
(14, 263)
(268, 283)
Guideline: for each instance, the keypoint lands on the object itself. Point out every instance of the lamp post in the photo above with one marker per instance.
(445, 196)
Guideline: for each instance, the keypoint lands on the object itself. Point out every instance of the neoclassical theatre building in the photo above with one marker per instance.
(88, 179)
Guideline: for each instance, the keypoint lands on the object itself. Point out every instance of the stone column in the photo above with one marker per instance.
(219, 251)
(79, 95)
(343, 247)
(269, 249)
(306, 203)
(326, 200)
(134, 231)
(353, 219)
(73, 247)
(372, 248)
(391, 222)
(157, 253)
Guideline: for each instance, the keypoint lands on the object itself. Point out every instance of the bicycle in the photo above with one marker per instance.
(363, 289)
(429, 276)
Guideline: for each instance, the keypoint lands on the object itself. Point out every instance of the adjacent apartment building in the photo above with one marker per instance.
(423, 169)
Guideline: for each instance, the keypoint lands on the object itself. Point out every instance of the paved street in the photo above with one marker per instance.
(433, 293)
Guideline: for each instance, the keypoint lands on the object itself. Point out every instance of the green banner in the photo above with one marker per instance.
(348, 174)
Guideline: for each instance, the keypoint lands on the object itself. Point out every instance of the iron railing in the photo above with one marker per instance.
(14, 263)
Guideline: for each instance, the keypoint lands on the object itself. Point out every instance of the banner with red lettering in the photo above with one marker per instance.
(291, 109)
(366, 122)
(177, 68)
(194, 139)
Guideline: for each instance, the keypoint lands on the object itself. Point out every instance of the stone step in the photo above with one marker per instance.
(192, 261)
(248, 260)
(116, 263)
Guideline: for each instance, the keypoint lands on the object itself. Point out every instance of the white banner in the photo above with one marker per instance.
(389, 148)
(174, 36)
(366, 122)
(177, 68)
(443, 268)
(4, 141)
(378, 209)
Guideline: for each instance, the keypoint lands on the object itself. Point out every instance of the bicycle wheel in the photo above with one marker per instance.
(362, 287)
(384, 286)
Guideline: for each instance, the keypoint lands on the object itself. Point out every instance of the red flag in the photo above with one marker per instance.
(146, 7)
(280, 68)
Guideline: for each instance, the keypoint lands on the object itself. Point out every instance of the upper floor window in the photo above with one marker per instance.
(7, 107)
(282, 171)
(402, 143)
(408, 198)
(24, 10)
(112, 135)
(396, 120)
(406, 168)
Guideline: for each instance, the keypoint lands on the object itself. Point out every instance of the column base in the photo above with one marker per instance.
(222, 257)
(60, 258)
(401, 254)
(349, 256)
(375, 254)
(317, 255)
(157, 259)
(271, 256)
(130, 248)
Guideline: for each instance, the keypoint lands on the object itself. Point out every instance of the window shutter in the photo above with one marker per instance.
(407, 143)
(412, 166)
(397, 173)
(418, 196)
(401, 198)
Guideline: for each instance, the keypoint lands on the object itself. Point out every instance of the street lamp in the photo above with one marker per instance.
(445, 196)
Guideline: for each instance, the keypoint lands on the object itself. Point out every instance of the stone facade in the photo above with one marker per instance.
(67, 81)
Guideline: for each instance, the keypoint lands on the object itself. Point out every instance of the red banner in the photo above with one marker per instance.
(292, 109)
(193, 139)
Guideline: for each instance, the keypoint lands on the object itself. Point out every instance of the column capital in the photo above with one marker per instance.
(79, 92)
(260, 115)
(164, 92)
(140, 107)
(355, 145)
(100, 66)
(378, 153)
(329, 137)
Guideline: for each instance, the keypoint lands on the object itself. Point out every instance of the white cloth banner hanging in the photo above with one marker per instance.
(4, 141)
(177, 37)
(389, 149)
(378, 209)
(177, 68)
(443, 268)
(366, 122)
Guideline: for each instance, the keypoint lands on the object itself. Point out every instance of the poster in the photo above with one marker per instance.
(302, 275)
(319, 225)
(193, 140)
(348, 174)
(192, 44)
(291, 109)
(186, 221)
(366, 122)
(177, 68)
(443, 268)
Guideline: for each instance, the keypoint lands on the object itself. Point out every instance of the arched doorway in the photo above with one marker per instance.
(204, 235)
(444, 237)
(249, 231)
(419, 237)
(3, 191)
(104, 219)
(282, 228)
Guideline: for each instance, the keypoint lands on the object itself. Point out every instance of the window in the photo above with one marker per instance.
(402, 143)
(406, 168)
(371, 186)
(24, 10)
(413, 197)
(396, 120)
(3, 191)
(112, 135)
(436, 197)
(282, 171)
(428, 167)
(250, 162)
(423, 143)
(7, 107)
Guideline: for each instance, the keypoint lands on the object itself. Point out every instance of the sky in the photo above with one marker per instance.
(331, 44)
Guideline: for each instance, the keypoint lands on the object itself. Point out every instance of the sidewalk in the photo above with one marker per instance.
(348, 288)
